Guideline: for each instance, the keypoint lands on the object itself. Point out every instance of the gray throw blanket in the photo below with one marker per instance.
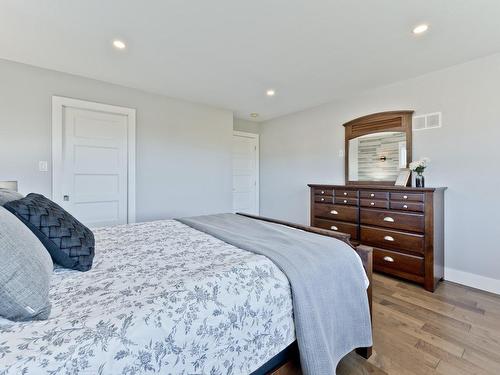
(327, 279)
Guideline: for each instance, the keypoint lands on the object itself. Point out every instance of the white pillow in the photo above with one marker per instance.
(25, 272)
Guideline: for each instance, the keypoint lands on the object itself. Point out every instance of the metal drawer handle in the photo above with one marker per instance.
(389, 259)
(322, 192)
(372, 204)
(334, 227)
(334, 212)
(345, 200)
(322, 199)
(405, 196)
(389, 219)
(389, 238)
(345, 193)
(405, 206)
(372, 195)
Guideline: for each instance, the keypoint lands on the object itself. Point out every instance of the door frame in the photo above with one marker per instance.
(58, 105)
(257, 162)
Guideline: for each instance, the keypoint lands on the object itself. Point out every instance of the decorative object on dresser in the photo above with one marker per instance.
(405, 226)
(404, 177)
(419, 166)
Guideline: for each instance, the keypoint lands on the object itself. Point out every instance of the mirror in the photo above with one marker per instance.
(377, 147)
(377, 156)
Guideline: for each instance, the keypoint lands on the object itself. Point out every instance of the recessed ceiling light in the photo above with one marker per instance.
(420, 29)
(118, 44)
(253, 114)
(270, 92)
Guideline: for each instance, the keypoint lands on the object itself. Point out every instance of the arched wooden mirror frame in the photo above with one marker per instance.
(392, 121)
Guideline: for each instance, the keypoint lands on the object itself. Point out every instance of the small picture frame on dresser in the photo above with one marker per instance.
(403, 178)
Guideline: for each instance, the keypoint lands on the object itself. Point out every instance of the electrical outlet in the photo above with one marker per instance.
(43, 166)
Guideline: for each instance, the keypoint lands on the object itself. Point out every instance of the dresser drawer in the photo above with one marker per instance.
(346, 201)
(393, 240)
(407, 206)
(346, 193)
(323, 199)
(330, 211)
(393, 262)
(409, 197)
(391, 219)
(337, 226)
(374, 194)
(320, 191)
(374, 203)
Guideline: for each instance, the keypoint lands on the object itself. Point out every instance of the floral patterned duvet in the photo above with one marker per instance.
(161, 298)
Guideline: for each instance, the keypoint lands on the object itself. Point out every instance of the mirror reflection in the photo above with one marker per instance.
(377, 156)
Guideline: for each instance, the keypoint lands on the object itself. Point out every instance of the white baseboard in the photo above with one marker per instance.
(473, 280)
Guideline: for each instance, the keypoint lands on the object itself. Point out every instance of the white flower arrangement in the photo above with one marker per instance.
(420, 165)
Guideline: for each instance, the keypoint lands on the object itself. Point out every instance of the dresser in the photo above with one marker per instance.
(404, 225)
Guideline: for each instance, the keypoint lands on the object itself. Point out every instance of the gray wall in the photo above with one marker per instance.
(183, 157)
(304, 148)
(246, 126)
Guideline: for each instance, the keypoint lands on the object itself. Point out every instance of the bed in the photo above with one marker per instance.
(164, 298)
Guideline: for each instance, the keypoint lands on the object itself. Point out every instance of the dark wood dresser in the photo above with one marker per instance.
(405, 226)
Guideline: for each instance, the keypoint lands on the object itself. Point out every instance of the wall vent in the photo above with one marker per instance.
(427, 121)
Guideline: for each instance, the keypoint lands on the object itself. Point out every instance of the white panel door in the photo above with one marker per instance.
(246, 173)
(94, 161)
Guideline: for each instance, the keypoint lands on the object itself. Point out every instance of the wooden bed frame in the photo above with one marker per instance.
(291, 366)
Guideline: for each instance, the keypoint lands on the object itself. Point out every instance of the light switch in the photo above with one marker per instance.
(341, 153)
(43, 166)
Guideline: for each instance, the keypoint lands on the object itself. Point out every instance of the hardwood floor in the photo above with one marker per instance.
(454, 331)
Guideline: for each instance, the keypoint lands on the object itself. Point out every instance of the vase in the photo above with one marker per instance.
(419, 181)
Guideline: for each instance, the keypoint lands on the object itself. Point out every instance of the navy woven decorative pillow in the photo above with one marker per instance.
(69, 242)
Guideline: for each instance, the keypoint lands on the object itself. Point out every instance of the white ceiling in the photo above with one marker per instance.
(226, 53)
